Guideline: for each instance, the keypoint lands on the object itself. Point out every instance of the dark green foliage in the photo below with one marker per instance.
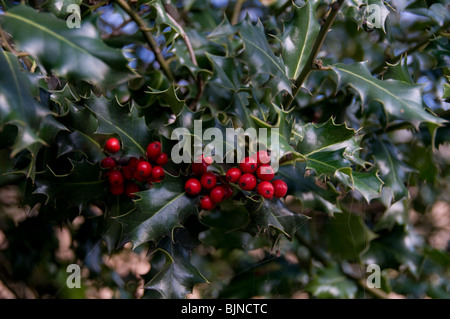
(362, 144)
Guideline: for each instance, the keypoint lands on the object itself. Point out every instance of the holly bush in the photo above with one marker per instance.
(353, 95)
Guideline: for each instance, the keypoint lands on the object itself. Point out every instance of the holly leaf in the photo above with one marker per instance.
(395, 248)
(398, 71)
(396, 214)
(61, 49)
(298, 38)
(35, 123)
(226, 76)
(347, 236)
(169, 98)
(325, 137)
(265, 214)
(178, 275)
(162, 21)
(392, 170)
(83, 183)
(123, 120)
(79, 142)
(311, 196)
(332, 151)
(265, 67)
(368, 184)
(401, 101)
(158, 212)
(330, 282)
(18, 106)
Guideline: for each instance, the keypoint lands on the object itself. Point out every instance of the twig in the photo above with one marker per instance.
(10, 49)
(237, 12)
(311, 62)
(187, 41)
(376, 292)
(149, 37)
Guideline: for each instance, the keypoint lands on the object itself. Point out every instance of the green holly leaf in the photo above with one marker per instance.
(347, 236)
(35, 124)
(401, 101)
(226, 76)
(392, 170)
(123, 120)
(298, 38)
(396, 214)
(56, 47)
(18, 106)
(111, 227)
(83, 183)
(332, 151)
(397, 248)
(305, 189)
(398, 71)
(327, 163)
(158, 212)
(325, 137)
(265, 67)
(79, 142)
(265, 214)
(368, 184)
(169, 98)
(176, 275)
(162, 21)
(331, 283)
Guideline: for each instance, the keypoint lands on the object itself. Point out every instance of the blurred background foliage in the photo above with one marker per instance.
(47, 221)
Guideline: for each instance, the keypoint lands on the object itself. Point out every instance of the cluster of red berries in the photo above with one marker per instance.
(215, 191)
(254, 172)
(130, 175)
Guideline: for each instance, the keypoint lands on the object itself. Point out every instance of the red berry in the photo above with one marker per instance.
(247, 182)
(158, 173)
(127, 172)
(229, 192)
(262, 157)
(265, 172)
(144, 169)
(115, 178)
(206, 203)
(248, 165)
(199, 168)
(233, 175)
(208, 180)
(139, 177)
(207, 160)
(218, 194)
(112, 145)
(193, 186)
(162, 159)
(130, 189)
(108, 162)
(280, 188)
(133, 163)
(116, 189)
(266, 189)
(153, 150)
